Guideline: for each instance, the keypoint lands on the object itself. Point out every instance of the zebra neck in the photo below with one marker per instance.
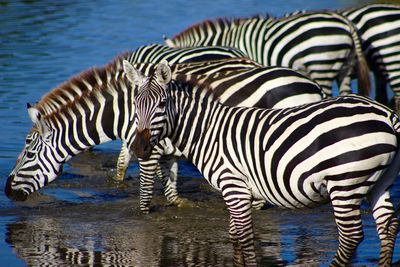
(99, 116)
(195, 113)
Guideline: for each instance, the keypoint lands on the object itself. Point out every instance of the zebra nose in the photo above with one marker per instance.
(141, 145)
(16, 195)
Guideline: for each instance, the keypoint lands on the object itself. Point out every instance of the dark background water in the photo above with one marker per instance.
(42, 44)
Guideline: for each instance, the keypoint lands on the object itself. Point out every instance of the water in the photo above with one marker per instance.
(85, 220)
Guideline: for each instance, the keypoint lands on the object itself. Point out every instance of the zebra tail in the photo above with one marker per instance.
(364, 82)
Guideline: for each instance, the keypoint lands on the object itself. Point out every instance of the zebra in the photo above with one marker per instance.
(325, 45)
(94, 107)
(378, 27)
(268, 87)
(341, 150)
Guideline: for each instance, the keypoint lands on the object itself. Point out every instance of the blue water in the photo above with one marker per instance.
(43, 43)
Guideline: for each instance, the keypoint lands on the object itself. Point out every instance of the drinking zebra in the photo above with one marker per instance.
(325, 45)
(340, 150)
(96, 106)
(379, 29)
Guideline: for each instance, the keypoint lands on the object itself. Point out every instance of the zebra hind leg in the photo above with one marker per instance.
(238, 200)
(387, 225)
(237, 249)
(348, 221)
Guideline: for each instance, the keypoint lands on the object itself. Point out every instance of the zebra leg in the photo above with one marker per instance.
(258, 204)
(348, 221)
(148, 170)
(238, 199)
(237, 249)
(123, 162)
(387, 225)
(397, 103)
(344, 86)
(168, 173)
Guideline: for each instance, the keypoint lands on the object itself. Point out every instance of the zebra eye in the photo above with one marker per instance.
(30, 154)
(162, 103)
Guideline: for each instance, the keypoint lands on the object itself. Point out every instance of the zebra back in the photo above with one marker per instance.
(155, 53)
(299, 41)
(243, 82)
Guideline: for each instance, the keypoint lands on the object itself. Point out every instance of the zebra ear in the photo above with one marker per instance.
(163, 72)
(36, 118)
(133, 75)
(34, 114)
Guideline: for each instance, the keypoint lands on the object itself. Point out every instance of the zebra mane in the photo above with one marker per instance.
(84, 84)
(220, 21)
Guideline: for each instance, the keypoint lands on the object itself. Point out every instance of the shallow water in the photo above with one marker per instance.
(82, 218)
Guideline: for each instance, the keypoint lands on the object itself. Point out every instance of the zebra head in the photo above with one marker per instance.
(37, 164)
(150, 107)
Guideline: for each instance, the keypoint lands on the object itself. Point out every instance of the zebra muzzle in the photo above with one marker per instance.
(16, 195)
(141, 145)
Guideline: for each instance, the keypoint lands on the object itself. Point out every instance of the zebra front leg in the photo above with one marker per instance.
(148, 170)
(122, 163)
(168, 173)
(238, 199)
(387, 225)
(237, 249)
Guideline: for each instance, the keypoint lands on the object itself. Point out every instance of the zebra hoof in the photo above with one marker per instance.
(184, 203)
(143, 211)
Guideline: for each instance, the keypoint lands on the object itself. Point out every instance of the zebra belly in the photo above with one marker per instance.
(315, 193)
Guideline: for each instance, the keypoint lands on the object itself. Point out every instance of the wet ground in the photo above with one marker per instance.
(85, 219)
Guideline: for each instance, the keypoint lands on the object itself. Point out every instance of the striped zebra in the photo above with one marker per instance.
(341, 150)
(236, 84)
(379, 28)
(325, 45)
(96, 106)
